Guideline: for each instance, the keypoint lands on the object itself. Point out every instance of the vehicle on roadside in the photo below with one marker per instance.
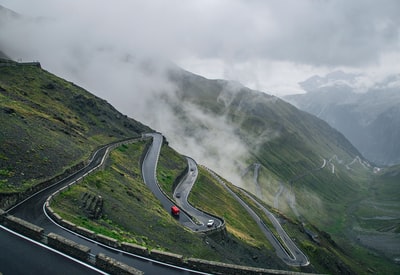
(178, 195)
(175, 210)
(210, 223)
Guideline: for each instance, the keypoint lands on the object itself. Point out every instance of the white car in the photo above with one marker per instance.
(210, 223)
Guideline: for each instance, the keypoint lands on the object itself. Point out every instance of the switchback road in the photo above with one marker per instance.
(32, 210)
(181, 195)
(285, 248)
(190, 217)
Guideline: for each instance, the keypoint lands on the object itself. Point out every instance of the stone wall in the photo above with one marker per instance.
(69, 247)
(114, 267)
(223, 268)
(135, 249)
(166, 257)
(66, 246)
(23, 227)
(107, 240)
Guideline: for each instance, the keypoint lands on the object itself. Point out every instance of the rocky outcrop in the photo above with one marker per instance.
(92, 205)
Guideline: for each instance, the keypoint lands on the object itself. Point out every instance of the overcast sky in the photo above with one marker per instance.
(266, 45)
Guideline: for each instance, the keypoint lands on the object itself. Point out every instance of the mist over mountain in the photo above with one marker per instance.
(3, 56)
(366, 112)
(306, 169)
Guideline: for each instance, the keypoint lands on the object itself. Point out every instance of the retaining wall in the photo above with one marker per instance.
(223, 268)
(135, 249)
(25, 228)
(166, 257)
(69, 247)
(114, 267)
(107, 240)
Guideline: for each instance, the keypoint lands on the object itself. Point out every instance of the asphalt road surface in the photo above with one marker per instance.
(290, 254)
(32, 210)
(21, 256)
(181, 195)
(189, 216)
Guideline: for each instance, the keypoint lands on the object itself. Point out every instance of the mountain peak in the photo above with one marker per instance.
(333, 79)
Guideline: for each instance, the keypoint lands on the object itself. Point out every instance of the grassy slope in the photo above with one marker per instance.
(48, 124)
(325, 257)
(130, 212)
(170, 166)
(284, 140)
(245, 243)
(287, 143)
(52, 123)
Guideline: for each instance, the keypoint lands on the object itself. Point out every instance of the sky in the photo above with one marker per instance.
(265, 45)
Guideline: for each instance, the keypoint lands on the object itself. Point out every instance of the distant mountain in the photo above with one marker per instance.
(230, 128)
(368, 116)
(288, 158)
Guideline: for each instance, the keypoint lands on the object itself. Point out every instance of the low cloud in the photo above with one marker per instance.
(268, 45)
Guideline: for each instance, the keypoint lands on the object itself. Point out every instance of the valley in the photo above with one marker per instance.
(288, 154)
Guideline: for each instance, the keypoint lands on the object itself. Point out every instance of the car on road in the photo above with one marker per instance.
(175, 210)
(210, 223)
(178, 195)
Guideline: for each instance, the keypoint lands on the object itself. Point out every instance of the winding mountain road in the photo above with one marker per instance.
(33, 211)
(288, 252)
(181, 195)
(190, 217)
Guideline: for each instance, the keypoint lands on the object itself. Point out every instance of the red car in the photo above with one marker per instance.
(175, 210)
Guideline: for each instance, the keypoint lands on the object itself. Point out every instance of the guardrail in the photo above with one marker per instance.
(113, 266)
(76, 250)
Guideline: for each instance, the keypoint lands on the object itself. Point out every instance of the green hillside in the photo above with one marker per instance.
(308, 170)
(289, 144)
(49, 124)
(131, 213)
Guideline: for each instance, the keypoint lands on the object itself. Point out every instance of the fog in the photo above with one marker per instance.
(267, 45)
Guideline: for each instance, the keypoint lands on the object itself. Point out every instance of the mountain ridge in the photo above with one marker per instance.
(37, 99)
(59, 110)
(369, 119)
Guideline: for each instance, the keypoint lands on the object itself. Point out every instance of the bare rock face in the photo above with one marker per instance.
(92, 205)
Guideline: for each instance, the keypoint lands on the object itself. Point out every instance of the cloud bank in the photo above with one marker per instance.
(267, 45)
